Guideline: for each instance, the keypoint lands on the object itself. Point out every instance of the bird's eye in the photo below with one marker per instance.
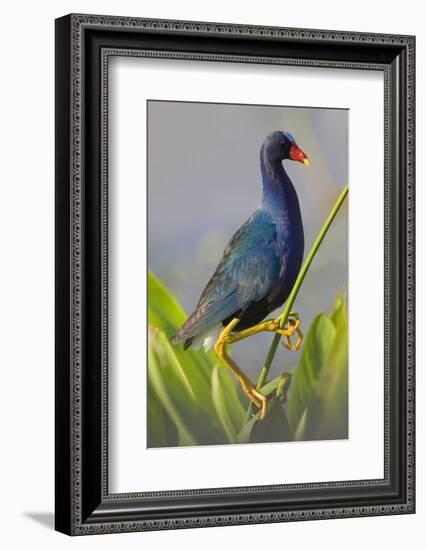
(283, 143)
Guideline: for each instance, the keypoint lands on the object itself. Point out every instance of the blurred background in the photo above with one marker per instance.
(204, 182)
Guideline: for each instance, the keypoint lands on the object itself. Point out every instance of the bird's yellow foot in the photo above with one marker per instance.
(292, 328)
(258, 399)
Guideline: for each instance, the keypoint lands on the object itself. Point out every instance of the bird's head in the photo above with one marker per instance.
(281, 146)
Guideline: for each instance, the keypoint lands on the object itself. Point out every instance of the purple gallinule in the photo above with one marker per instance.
(258, 269)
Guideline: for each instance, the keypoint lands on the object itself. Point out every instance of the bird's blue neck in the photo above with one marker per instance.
(279, 195)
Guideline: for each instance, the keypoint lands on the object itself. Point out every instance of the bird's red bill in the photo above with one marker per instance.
(297, 154)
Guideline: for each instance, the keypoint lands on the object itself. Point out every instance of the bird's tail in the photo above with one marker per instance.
(188, 330)
(178, 338)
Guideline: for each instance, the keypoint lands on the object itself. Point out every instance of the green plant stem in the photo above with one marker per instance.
(302, 274)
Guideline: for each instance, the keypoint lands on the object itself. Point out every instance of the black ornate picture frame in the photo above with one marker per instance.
(84, 43)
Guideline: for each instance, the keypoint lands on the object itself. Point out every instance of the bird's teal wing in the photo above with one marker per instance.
(247, 273)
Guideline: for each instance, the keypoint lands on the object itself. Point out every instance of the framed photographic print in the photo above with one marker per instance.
(234, 274)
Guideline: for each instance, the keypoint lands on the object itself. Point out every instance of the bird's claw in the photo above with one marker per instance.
(259, 400)
(292, 328)
(287, 343)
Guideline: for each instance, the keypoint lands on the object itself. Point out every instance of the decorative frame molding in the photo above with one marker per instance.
(84, 43)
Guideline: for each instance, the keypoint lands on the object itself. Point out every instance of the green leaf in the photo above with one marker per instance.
(339, 313)
(300, 431)
(186, 378)
(221, 407)
(156, 381)
(279, 385)
(328, 412)
(163, 309)
(229, 386)
(156, 427)
(315, 352)
(244, 434)
(195, 411)
(165, 313)
(195, 367)
(161, 430)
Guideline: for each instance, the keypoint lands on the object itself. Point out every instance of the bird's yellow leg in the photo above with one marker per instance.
(249, 388)
(291, 328)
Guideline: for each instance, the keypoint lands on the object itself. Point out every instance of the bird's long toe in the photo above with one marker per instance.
(262, 399)
(288, 343)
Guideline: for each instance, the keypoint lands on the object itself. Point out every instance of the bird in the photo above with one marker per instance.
(257, 271)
